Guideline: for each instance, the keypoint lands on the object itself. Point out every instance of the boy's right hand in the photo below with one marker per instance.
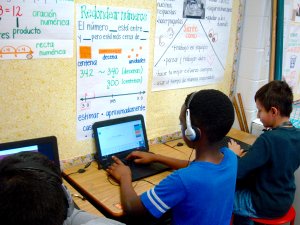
(141, 157)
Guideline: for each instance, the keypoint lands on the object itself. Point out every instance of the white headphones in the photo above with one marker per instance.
(191, 133)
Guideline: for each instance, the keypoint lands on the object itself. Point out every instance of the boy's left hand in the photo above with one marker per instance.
(119, 170)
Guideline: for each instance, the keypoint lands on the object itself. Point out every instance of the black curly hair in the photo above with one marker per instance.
(31, 196)
(212, 112)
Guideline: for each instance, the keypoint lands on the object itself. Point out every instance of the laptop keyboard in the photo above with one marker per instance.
(139, 171)
(129, 162)
(226, 139)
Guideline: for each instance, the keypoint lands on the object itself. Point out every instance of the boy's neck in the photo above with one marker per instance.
(282, 122)
(209, 154)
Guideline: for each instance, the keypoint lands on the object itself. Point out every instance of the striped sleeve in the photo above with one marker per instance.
(164, 196)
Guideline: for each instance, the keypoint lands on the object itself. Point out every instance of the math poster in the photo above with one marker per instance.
(291, 63)
(31, 29)
(112, 64)
(191, 42)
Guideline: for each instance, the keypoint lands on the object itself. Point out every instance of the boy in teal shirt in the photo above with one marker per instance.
(265, 179)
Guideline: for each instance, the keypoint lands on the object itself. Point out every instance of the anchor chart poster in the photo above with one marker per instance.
(191, 42)
(32, 29)
(291, 63)
(112, 64)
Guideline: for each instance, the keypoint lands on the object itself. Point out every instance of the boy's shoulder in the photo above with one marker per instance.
(279, 135)
(229, 158)
(280, 131)
(227, 152)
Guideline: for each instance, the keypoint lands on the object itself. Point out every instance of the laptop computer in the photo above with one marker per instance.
(44, 145)
(119, 137)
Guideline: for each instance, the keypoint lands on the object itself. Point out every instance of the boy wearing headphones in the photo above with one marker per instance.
(32, 193)
(198, 192)
(265, 179)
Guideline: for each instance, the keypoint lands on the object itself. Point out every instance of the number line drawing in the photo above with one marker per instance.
(106, 96)
(10, 50)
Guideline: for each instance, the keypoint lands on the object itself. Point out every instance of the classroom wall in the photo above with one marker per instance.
(38, 97)
(289, 73)
(253, 66)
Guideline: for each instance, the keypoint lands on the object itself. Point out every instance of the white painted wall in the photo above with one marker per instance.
(253, 67)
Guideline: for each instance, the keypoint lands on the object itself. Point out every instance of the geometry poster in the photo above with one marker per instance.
(191, 43)
(291, 62)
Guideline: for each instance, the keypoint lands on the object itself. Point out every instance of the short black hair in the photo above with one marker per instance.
(31, 197)
(276, 94)
(211, 111)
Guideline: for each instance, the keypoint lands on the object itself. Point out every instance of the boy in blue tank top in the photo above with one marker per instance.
(265, 180)
(197, 192)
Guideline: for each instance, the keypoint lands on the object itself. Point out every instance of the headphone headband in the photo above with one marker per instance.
(190, 99)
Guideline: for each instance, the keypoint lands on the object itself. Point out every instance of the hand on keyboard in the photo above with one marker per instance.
(119, 170)
(236, 148)
(141, 157)
(128, 162)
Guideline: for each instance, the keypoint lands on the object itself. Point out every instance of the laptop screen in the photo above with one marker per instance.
(45, 145)
(120, 136)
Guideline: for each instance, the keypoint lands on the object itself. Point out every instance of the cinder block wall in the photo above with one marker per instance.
(253, 67)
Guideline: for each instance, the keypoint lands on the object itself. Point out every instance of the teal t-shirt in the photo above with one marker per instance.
(270, 163)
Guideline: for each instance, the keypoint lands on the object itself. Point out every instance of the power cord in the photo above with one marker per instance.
(190, 157)
(179, 144)
(112, 181)
(148, 182)
(81, 170)
(78, 196)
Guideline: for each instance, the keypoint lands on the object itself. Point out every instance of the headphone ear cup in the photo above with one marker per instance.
(197, 133)
(192, 133)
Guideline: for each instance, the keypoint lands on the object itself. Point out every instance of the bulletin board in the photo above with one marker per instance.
(291, 46)
(38, 97)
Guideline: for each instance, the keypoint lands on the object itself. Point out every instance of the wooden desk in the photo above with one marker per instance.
(81, 202)
(234, 133)
(242, 136)
(104, 194)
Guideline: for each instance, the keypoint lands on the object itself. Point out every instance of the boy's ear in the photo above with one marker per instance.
(274, 111)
